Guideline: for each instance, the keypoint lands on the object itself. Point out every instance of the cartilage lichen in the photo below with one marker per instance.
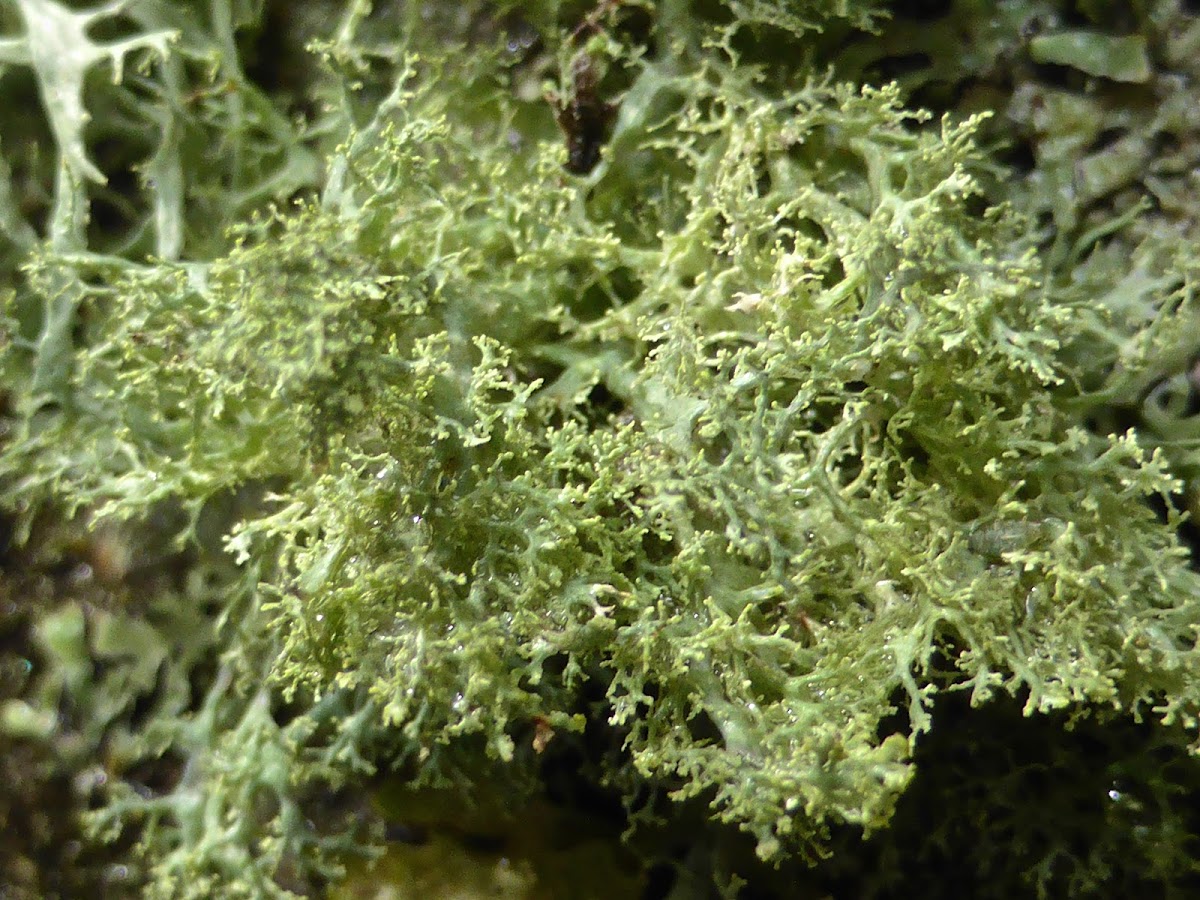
(753, 442)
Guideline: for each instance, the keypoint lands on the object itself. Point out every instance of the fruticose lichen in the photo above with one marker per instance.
(838, 412)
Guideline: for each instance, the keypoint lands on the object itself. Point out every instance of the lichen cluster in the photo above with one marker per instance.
(836, 410)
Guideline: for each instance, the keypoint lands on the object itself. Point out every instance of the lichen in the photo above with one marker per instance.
(754, 448)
